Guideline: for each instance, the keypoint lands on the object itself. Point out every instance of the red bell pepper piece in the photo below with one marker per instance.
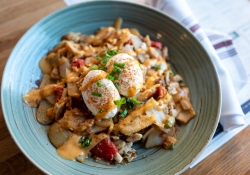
(156, 44)
(127, 42)
(77, 63)
(105, 149)
(58, 91)
(161, 91)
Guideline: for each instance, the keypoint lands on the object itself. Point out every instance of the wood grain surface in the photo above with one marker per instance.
(16, 17)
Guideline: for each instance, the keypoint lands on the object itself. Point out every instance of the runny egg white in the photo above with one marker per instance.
(99, 94)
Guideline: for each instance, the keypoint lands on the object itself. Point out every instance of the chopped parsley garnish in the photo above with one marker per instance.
(121, 65)
(135, 101)
(98, 57)
(170, 122)
(124, 113)
(101, 111)
(120, 102)
(96, 94)
(139, 64)
(99, 84)
(112, 52)
(108, 54)
(116, 85)
(170, 72)
(119, 71)
(85, 142)
(111, 77)
(94, 67)
(125, 104)
(115, 69)
(172, 146)
(115, 77)
(156, 66)
(103, 68)
(105, 59)
(131, 102)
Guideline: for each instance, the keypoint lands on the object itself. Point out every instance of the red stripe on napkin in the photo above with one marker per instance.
(195, 27)
(222, 44)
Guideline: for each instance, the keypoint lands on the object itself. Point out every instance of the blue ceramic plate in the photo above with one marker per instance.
(188, 58)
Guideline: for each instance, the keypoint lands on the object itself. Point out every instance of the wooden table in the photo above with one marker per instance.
(16, 17)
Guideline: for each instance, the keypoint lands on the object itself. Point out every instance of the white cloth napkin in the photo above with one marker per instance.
(219, 46)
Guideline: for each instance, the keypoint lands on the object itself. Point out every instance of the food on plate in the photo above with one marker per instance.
(102, 93)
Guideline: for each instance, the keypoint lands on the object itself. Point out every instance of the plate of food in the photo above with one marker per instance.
(90, 90)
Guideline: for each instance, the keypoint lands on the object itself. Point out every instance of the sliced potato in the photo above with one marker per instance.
(45, 66)
(106, 122)
(137, 42)
(57, 134)
(185, 104)
(59, 108)
(73, 89)
(72, 118)
(134, 137)
(45, 80)
(86, 124)
(65, 67)
(95, 129)
(134, 124)
(64, 93)
(41, 113)
(154, 138)
(185, 116)
(55, 73)
(136, 120)
(51, 99)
